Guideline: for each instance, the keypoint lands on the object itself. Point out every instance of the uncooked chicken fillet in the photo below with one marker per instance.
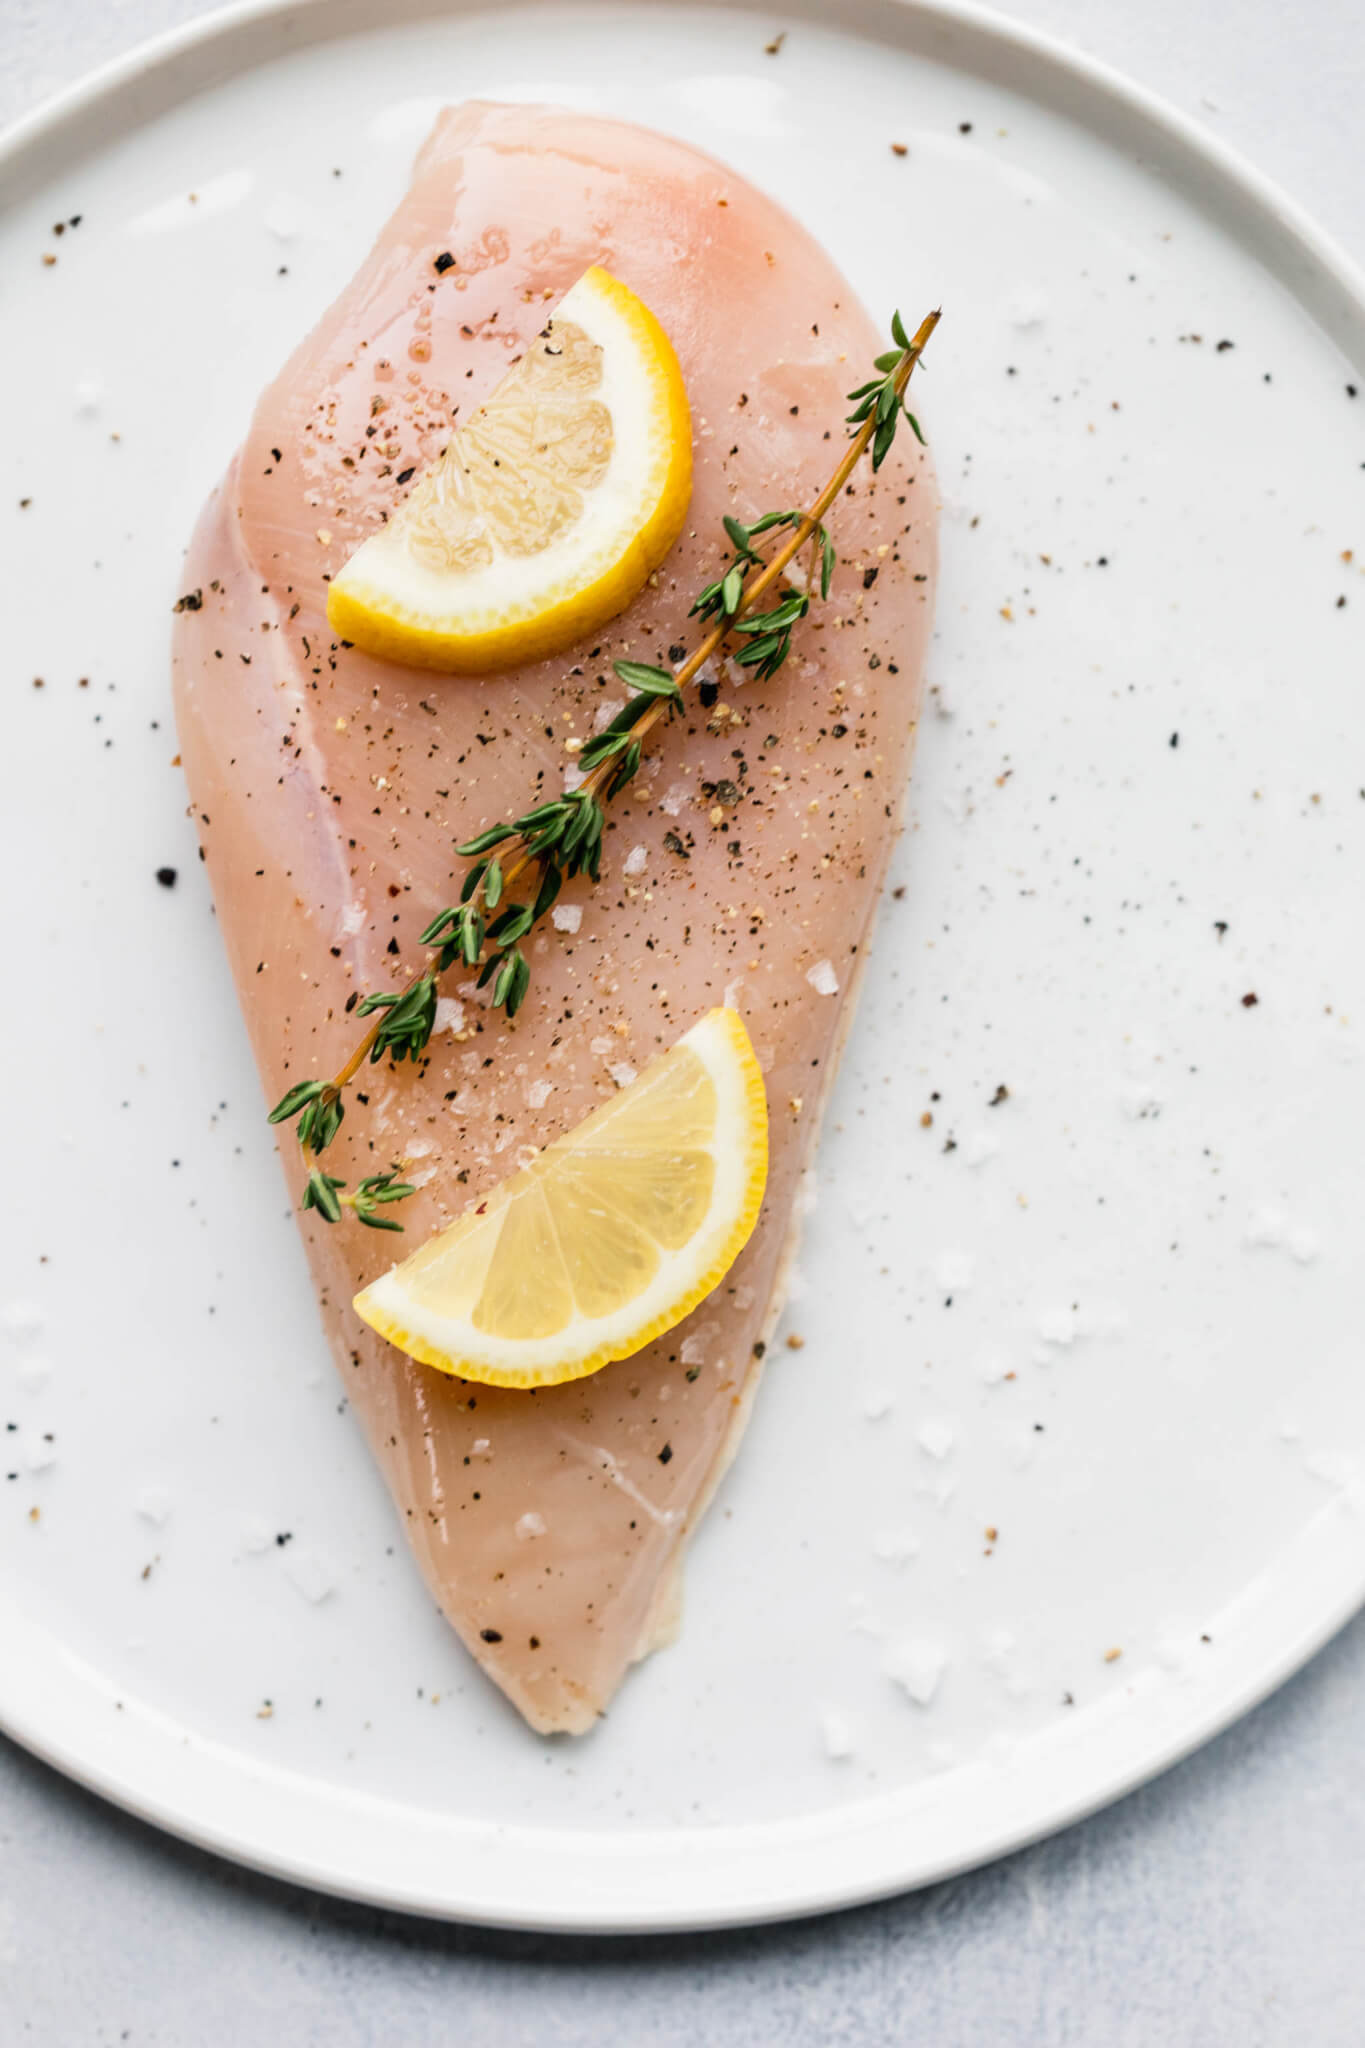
(742, 867)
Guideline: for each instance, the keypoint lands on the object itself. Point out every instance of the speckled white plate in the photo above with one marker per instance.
(1068, 1470)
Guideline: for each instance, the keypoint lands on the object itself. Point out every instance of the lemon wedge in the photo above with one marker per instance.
(607, 1239)
(548, 510)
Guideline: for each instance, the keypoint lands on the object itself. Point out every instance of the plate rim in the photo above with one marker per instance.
(225, 44)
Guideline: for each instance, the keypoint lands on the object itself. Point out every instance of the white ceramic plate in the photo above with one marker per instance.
(1114, 1317)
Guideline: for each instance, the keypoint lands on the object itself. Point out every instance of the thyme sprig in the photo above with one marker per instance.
(323, 1192)
(562, 837)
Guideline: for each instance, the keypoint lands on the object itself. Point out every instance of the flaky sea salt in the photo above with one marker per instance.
(822, 978)
(896, 1546)
(1057, 1326)
(154, 1505)
(538, 1094)
(622, 1073)
(673, 798)
(21, 1320)
(836, 1734)
(954, 1272)
(308, 1575)
(449, 1014)
(637, 860)
(567, 917)
(38, 1450)
(529, 1526)
(917, 1666)
(936, 1436)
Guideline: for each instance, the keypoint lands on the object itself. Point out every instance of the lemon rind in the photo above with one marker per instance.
(360, 610)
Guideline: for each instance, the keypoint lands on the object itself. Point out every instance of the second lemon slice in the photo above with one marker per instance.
(610, 1237)
(549, 509)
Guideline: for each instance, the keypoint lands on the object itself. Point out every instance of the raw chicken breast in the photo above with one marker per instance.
(743, 865)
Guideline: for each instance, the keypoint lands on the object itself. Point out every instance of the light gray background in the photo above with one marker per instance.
(1221, 1906)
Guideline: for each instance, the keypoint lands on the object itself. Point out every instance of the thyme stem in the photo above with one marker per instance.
(562, 837)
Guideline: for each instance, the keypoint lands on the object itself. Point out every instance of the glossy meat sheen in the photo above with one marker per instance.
(330, 788)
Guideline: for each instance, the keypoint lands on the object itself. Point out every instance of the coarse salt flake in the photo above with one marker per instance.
(308, 1575)
(917, 1666)
(822, 978)
(936, 1436)
(836, 1734)
(567, 917)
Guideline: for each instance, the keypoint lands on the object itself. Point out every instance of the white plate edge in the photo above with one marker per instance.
(1289, 233)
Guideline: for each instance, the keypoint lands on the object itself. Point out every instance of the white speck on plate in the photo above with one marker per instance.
(38, 1453)
(978, 1147)
(154, 1505)
(255, 1535)
(567, 917)
(896, 1546)
(528, 1526)
(936, 1436)
(1057, 1326)
(284, 218)
(21, 1320)
(34, 1369)
(954, 1272)
(1023, 1449)
(1266, 1228)
(307, 1574)
(876, 1405)
(637, 860)
(823, 979)
(993, 1368)
(998, 1646)
(1027, 308)
(917, 1667)
(1303, 1245)
(836, 1734)
(89, 392)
